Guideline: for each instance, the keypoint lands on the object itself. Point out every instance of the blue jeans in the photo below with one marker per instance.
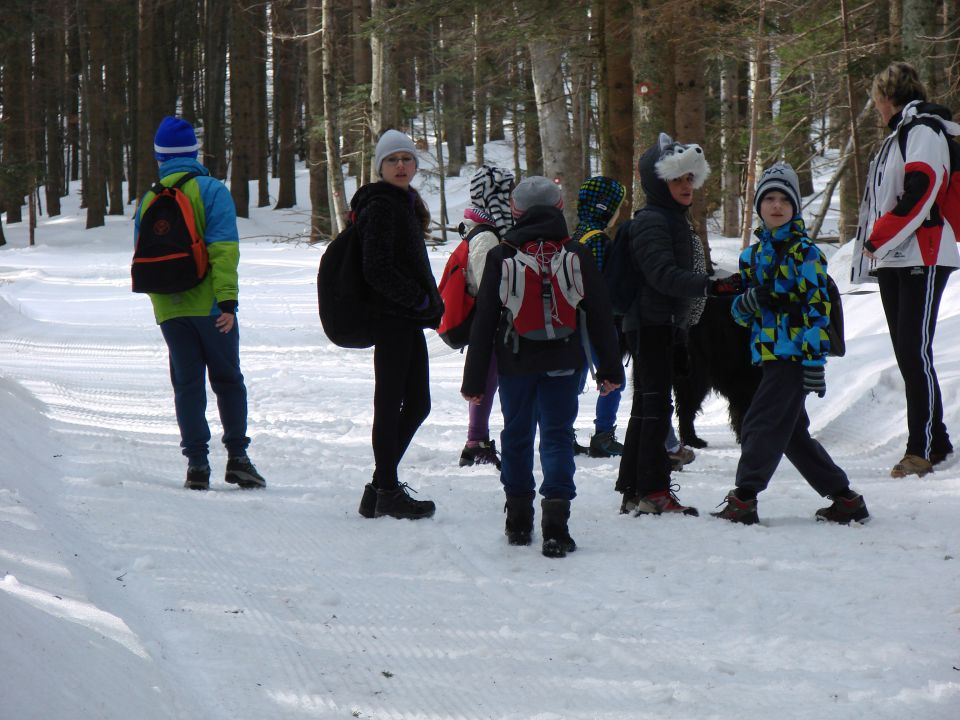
(607, 405)
(550, 402)
(197, 348)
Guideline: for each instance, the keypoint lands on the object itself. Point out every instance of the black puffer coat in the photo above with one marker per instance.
(395, 262)
(661, 244)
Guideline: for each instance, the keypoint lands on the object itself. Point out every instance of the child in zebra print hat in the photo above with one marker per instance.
(490, 189)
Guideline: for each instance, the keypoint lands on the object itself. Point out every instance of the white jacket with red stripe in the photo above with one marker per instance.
(901, 221)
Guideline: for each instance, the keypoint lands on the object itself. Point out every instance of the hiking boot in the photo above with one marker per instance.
(579, 449)
(519, 525)
(198, 477)
(483, 453)
(368, 501)
(682, 456)
(241, 472)
(604, 445)
(554, 514)
(664, 501)
(938, 457)
(628, 506)
(737, 510)
(844, 510)
(397, 503)
(911, 465)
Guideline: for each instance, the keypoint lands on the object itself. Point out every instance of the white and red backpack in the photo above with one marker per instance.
(541, 288)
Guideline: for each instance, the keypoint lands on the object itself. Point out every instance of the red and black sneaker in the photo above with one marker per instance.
(664, 501)
(737, 510)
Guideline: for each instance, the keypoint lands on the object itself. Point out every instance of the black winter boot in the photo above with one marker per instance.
(519, 525)
(396, 502)
(198, 477)
(240, 471)
(605, 445)
(368, 501)
(554, 514)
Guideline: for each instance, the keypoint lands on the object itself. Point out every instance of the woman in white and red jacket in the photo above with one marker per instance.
(907, 243)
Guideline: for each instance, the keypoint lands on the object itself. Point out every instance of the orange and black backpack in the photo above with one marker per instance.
(170, 255)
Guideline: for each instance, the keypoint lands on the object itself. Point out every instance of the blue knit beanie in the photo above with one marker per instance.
(175, 138)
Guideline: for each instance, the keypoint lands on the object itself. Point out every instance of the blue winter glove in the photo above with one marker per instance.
(753, 299)
(814, 380)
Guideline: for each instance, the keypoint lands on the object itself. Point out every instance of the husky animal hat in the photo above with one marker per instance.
(677, 160)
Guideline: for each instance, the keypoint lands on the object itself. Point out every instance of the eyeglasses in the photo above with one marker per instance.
(397, 159)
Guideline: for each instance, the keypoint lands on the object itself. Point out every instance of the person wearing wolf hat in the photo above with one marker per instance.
(662, 242)
(490, 189)
(908, 232)
(787, 308)
(598, 205)
(199, 325)
(538, 378)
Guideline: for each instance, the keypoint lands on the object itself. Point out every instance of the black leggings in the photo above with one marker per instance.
(401, 397)
(911, 301)
(645, 466)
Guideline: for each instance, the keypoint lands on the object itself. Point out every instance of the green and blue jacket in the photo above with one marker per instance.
(793, 325)
(216, 220)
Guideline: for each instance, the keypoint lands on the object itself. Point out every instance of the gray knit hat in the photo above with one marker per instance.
(780, 177)
(535, 190)
(393, 141)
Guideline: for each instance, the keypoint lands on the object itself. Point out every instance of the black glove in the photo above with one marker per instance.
(729, 285)
(814, 380)
(755, 298)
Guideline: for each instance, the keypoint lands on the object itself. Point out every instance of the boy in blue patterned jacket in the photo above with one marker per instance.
(787, 310)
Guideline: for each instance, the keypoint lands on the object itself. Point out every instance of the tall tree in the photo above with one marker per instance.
(559, 162)
(319, 195)
(286, 84)
(243, 104)
(93, 49)
(615, 94)
(215, 41)
(331, 111)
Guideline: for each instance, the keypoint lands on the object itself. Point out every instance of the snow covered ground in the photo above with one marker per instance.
(124, 596)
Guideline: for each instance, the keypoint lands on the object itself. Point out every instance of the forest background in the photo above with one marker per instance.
(582, 86)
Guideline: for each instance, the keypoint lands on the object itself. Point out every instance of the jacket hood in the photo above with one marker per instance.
(182, 164)
(538, 222)
(380, 189)
(920, 109)
(598, 200)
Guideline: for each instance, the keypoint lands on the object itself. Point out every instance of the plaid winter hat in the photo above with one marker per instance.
(780, 177)
(598, 200)
(535, 190)
(175, 138)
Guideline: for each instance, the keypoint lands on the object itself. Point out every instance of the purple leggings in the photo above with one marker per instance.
(478, 426)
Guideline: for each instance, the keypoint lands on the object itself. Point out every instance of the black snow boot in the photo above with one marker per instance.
(554, 514)
(605, 445)
(198, 477)
(519, 525)
(396, 502)
(368, 501)
(240, 471)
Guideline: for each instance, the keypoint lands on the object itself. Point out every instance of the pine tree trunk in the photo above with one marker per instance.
(479, 90)
(453, 126)
(532, 148)
(919, 29)
(331, 115)
(50, 57)
(319, 205)
(730, 124)
(384, 105)
(286, 81)
(215, 40)
(261, 121)
(559, 163)
(243, 105)
(116, 110)
(691, 123)
(92, 46)
(358, 132)
(615, 94)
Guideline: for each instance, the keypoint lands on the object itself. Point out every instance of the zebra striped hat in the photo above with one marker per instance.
(490, 189)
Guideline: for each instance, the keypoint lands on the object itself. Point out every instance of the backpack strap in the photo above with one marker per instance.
(159, 187)
(589, 234)
(482, 227)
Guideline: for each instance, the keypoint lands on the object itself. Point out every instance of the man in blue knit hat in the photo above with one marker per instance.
(199, 325)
